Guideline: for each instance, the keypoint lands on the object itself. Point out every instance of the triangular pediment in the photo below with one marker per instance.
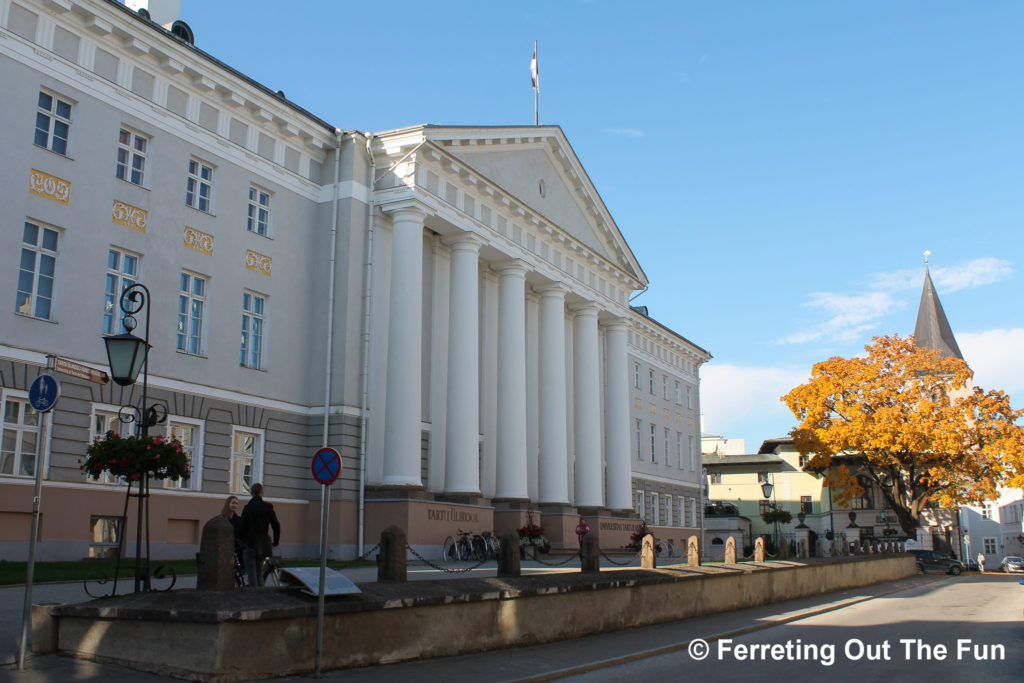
(537, 166)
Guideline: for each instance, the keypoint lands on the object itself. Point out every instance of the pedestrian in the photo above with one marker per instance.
(230, 512)
(258, 519)
(981, 562)
(582, 529)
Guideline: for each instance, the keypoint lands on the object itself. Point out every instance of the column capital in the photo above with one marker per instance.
(408, 210)
(617, 325)
(512, 268)
(586, 309)
(552, 290)
(463, 241)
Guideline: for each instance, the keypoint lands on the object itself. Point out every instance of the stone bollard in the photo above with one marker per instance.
(730, 550)
(590, 554)
(391, 559)
(801, 549)
(759, 550)
(215, 564)
(693, 551)
(648, 556)
(508, 557)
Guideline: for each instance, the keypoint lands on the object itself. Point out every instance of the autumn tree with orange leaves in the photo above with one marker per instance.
(907, 418)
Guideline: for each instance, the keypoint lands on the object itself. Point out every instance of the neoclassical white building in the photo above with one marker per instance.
(448, 307)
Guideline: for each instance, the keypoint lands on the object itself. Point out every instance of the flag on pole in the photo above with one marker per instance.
(534, 71)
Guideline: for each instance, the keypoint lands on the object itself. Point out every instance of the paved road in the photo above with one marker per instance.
(937, 609)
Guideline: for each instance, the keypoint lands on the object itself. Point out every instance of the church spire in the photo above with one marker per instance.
(932, 329)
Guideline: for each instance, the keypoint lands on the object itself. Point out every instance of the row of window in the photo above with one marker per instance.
(691, 448)
(21, 435)
(665, 509)
(35, 293)
(676, 395)
(52, 132)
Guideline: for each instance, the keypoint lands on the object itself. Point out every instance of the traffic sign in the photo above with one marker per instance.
(326, 466)
(44, 392)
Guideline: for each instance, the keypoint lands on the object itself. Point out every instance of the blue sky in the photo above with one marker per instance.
(778, 168)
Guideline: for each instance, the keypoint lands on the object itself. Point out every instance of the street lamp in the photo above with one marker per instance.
(128, 355)
(767, 489)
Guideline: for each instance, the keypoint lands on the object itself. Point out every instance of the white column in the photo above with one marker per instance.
(588, 409)
(405, 338)
(618, 490)
(554, 484)
(511, 466)
(462, 458)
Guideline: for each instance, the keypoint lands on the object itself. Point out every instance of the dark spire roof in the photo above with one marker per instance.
(932, 329)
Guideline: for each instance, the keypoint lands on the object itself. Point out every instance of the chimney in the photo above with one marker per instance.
(163, 12)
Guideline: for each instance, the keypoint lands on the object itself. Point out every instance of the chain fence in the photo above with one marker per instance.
(351, 563)
(564, 562)
(622, 564)
(442, 568)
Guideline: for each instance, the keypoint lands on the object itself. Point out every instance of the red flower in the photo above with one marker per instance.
(134, 477)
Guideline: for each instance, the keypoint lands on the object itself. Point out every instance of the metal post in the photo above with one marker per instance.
(26, 616)
(325, 503)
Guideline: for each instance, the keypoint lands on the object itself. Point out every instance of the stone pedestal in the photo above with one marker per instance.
(590, 554)
(730, 550)
(759, 550)
(510, 515)
(391, 560)
(648, 556)
(508, 558)
(693, 551)
(215, 561)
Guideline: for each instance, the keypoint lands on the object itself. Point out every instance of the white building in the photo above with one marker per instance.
(448, 307)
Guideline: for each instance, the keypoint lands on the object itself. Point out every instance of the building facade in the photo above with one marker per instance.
(448, 307)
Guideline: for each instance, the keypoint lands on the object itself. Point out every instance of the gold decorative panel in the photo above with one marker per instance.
(257, 262)
(49, 187)
(196, 240)
(129, 216)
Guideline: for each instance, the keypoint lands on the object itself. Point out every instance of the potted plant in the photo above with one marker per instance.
(135, 457)
(777, 515)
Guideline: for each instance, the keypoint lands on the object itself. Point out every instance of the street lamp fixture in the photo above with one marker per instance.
(766, 489)
(128, 356)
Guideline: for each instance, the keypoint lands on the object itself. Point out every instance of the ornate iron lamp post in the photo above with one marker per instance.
(128, 355)
(767, 489)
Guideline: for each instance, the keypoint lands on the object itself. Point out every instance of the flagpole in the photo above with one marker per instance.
(536, 85)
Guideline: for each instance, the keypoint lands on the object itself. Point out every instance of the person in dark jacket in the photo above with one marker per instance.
(258, 519)
(230, 512)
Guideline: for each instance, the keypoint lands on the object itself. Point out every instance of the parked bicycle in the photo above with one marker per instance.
(464, 548)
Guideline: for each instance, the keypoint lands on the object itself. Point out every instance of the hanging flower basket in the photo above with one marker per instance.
(133, 457)
(532, 535)
(780, 516)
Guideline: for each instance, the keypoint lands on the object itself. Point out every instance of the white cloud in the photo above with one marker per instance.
(976, 273)
(743, 401)
(625, 132)
(852, 316)
(995, 356)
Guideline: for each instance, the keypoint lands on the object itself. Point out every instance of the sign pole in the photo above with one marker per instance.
(43, 396)
(325, 503)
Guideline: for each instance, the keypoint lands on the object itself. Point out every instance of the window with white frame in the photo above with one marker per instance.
(638, 503)
(106, 419)
(37, 271)
(122, 272)
(132, 149)
(636, 375)
(664, 387)
(20, 434)
(668, 511)
(668, 461)
(253, 329)
(679, 449)
(190, 434)
(199, 186)
(53, 123)
(715, 477)
(103, 536)
(258, 219)
(990, 545)
(654, 451)
(689, 397)
(650, 381)
(679, 395)
(639, 441)
(246, 459)
(693, 452)
(655, 509)
(986, 510)
(191, 312)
